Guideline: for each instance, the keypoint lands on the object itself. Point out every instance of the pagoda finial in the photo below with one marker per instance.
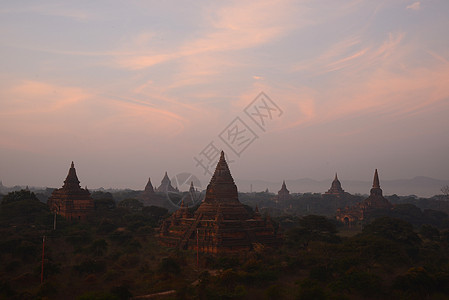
(376, 180)
(71, 181)
(222, 172)
(336, 178)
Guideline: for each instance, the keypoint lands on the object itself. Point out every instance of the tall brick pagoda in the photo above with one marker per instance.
(221, 224)
(374, 204)
(71, 201)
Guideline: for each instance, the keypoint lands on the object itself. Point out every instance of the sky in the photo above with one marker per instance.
(287, 89)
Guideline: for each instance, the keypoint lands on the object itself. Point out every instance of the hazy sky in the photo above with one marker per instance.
(131, 89)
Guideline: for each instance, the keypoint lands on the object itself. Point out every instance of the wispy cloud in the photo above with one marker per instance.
(414, 6)
(53, 9)
(232, 27)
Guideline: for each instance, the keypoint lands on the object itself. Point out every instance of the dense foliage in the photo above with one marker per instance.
(115, 255)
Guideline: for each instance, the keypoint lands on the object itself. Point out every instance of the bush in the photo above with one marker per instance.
(90, 266)
(169, 265)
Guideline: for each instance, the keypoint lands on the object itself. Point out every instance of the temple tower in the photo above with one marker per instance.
(221, 224)
(373, 205)
(283, 193)
(336, 189)
(166, 185)
(71, 201)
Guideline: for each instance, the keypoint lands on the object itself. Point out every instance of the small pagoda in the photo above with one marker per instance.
(336, 189)
(150, 198)
(166, 186)
(283, 194)
(375, 203)
(71, 201)
(221, 224)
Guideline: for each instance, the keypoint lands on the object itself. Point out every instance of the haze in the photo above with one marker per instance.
(129, 90)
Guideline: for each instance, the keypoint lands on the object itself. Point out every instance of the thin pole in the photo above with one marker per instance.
(43, 255)
(197, 250)
(54, 222)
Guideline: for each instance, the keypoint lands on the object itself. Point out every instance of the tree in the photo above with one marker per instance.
(445, 191)
(99, 247)
(18, 196)
(313, 228)
(23, 207)
(131, 204)
(393, 229)
(429, 232)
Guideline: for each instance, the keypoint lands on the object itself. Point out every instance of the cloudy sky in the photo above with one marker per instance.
(131, 89)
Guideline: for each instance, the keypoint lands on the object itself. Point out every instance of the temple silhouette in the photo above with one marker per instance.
(336, 189)
(166, 186)
(362, 211)
(221, 224)
(283, 194)
(150, 197)
(71, 201)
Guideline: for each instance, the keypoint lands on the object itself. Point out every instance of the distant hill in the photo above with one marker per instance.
(420, 186)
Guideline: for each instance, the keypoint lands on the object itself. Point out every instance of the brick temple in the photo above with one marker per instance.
(221, 224)
(166, 186)
(283, 194)
(149, 197)
(71, 201)
(373, 204)
(336, 189)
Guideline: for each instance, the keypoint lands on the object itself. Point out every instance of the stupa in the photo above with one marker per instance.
(150, 198)
(71, 201)
(221, 224)
(166, 186)
(336, 189)
(283, 194)
(376, 202)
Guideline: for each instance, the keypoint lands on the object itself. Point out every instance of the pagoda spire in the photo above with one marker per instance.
(71, 181)
(149, 187)
(221, 186)
(376, 180)
(376, 190)
(222, 173)
(336, 177)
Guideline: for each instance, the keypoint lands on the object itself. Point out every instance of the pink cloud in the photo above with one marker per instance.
(414, 6)
(234, 26)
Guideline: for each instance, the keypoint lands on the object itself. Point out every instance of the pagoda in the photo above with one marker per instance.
(149, 190)
(221, 224)
(375, 203)
(166, 186)
(150, 198)
(71, 201)
(336, 189)
(283, 194)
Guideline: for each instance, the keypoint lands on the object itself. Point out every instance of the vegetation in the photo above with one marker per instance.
(115, 255)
